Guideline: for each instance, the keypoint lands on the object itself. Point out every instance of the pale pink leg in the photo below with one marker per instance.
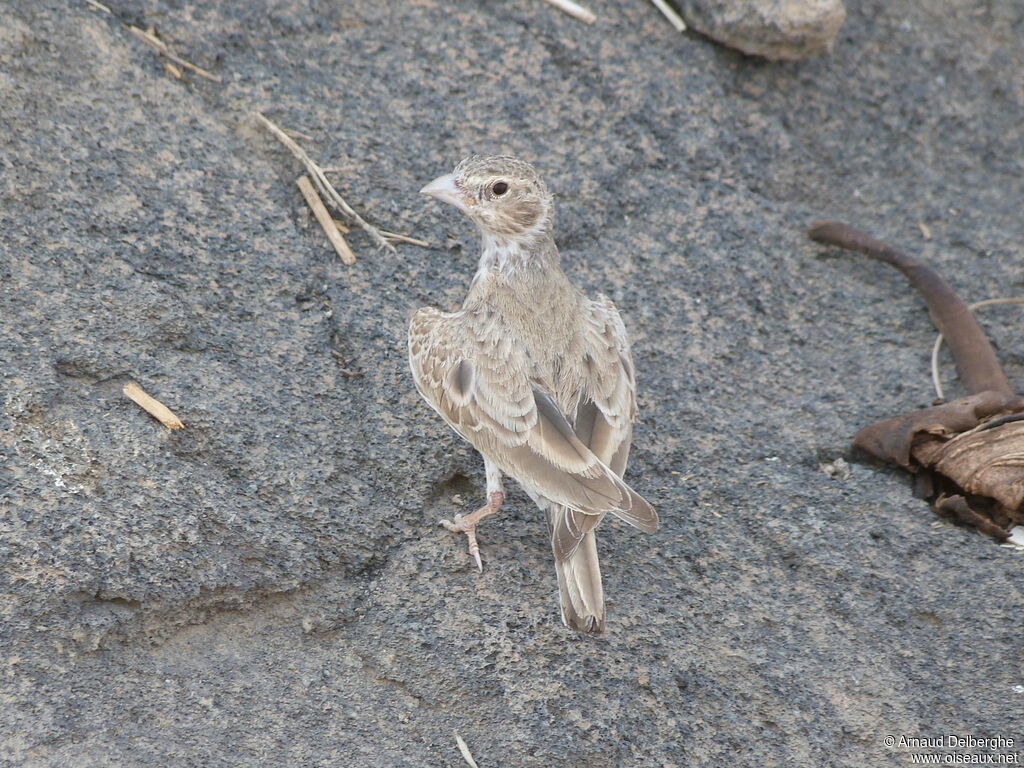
(467, 523)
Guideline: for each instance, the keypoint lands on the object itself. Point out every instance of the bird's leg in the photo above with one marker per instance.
(467, 523)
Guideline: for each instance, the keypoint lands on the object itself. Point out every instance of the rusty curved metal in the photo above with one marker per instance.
(975, 359)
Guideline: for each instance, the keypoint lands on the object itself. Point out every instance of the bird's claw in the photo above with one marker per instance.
(458, 526)
(467, 524)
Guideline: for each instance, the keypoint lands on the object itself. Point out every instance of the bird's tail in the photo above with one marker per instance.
(579, 583)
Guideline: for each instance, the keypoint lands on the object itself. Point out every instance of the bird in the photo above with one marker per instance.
(535, 375)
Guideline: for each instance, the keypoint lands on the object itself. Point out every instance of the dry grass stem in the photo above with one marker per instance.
(573, 9)
(464, 749)
(152, 406)
(164, 50)
(405, 239)
(936, 381)
(100, 6)
(326, 222)
(671, 14)
(298, 134)
(394, 236)
(323, 186)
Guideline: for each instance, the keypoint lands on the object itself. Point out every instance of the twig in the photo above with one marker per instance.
(464, 749)
(326, 222)
(936, 381)
(395, 236)
(328, 192)
(671, 14)
(297, 134)
(405, 239)
(161, 47)
(574, 9)
(100, 6)
(152, 406)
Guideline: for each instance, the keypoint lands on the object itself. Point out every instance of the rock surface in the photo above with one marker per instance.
(787, 30)
(269, 586)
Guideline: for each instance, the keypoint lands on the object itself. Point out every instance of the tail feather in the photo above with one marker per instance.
(640, 513)
(579, 587)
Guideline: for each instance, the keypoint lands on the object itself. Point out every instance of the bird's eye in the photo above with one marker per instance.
(499, 188)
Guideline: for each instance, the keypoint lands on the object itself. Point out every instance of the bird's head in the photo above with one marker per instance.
(503, 196)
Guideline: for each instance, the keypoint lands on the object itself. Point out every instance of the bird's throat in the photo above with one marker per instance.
(519, 280)
(501, 255)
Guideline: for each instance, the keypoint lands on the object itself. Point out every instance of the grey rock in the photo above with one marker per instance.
(786, 30)
(269, 585)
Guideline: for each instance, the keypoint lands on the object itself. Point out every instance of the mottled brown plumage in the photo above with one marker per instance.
(536, 376)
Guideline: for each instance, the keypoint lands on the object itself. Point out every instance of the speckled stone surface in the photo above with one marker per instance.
(269, 586)
(784, 30)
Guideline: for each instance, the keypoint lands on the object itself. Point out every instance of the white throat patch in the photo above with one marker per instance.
(506, 254)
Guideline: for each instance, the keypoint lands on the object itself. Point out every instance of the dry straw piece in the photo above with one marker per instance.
(464, 749)
(671, 14)
(575, 10)
(393, 236)
(405, 239)
(328, 224)
(164, 50)
(323, 186)
(152, 406)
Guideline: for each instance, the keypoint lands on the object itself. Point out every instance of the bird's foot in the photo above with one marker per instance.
(467, 523)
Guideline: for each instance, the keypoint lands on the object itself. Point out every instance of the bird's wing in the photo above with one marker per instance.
(474, 375)
(604, 419)
(607, 409)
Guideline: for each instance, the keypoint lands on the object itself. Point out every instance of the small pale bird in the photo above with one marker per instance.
(536, 376)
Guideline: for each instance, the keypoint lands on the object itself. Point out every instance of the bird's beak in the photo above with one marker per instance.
(446, 189)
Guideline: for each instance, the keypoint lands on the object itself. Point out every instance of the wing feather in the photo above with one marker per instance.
(475, 378)
(604, 423)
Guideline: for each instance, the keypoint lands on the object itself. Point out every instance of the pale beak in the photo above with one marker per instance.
(446, 189)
